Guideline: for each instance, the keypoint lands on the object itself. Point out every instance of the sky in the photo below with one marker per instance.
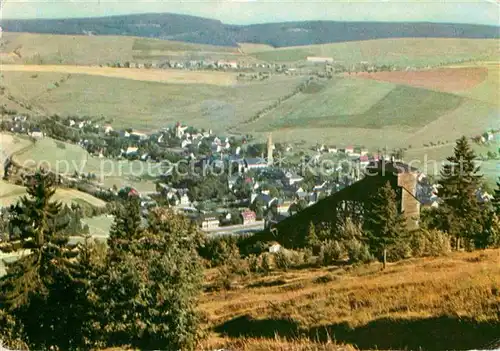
(261, 11)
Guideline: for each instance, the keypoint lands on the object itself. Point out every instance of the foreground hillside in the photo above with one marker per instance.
(429, 304)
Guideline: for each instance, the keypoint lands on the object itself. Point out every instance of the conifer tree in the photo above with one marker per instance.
(496, 199)
(39, 289)
(149, 299)
(459, 182)
(127, 224)
(384, 224)
(311, 239)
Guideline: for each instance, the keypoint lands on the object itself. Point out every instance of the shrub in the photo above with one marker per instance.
(399, 251)
(330, 252)
(10, 332)
(253, 264)
(430, 243)
(358, 252)
(307, 256)
(283, 260)
(266, 263)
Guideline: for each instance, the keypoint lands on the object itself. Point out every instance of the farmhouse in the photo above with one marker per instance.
(36, 133)
(255, 163)
(209, 221)
(249, 217)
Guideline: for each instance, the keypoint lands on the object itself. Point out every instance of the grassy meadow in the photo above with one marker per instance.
(402, 52)
(10, 194)
(150, 105)
(445, 303)
(68, 158)
(94, 50)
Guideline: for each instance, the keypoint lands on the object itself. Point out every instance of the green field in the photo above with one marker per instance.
(150, 105)
(419, 52)
(92, 50)
(356, 103)
(67, 159)
(10, 194)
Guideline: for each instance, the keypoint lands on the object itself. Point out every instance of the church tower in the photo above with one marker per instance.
(270, 148)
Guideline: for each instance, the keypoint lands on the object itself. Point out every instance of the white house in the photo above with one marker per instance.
(349, 150)
(185, 143)
(108, 129)
(209, 221)
(130, 150)
(255, 163)
(275, 247)
(292, 178)
(36, 133)
(332, 150)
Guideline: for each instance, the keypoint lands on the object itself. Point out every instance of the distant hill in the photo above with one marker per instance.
(207, 31)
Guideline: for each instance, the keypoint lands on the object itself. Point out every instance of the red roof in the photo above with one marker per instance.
(248, 214)
(133, 192)
(364, 159)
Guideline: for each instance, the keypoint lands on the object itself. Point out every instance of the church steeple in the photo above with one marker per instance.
(270, 147)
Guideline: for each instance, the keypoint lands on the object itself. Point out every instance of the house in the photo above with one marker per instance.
(108, 129)
(139, 136)
(264, 198)
(185, 143)
(130, 150)
(249, 217)
(36, 133)
(364, 152)
(349, 150)
(489, 136)
(255, 163)
(292, 178)
(332, 150)
(209, 221)
(179, 130)
(183, 197)
(364, 161)
(274, 247)
(320, 186)
(356, 152)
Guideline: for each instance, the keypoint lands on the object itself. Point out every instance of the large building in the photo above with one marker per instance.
(350, 201)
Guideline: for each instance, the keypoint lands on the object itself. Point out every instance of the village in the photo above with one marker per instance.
(225, 184)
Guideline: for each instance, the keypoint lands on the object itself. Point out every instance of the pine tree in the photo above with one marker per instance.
(126, 226)
(384, 224)
(496, 199)
(39, 289)
(311, 239)
(148, 299)
(36, 216)
(459, 183)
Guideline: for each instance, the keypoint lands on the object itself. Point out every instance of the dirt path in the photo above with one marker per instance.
(150, 75)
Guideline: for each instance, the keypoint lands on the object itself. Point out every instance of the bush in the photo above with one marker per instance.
(266, 264)
(283, 260)
(253, 264)
(308, 254)
(358, 252)
(430, 243)
(330, 252)
(399, 251)
(10, 332)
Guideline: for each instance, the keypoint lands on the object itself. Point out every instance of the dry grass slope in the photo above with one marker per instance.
(431, 304)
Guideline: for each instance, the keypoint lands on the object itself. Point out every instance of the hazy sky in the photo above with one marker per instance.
(258, 11)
